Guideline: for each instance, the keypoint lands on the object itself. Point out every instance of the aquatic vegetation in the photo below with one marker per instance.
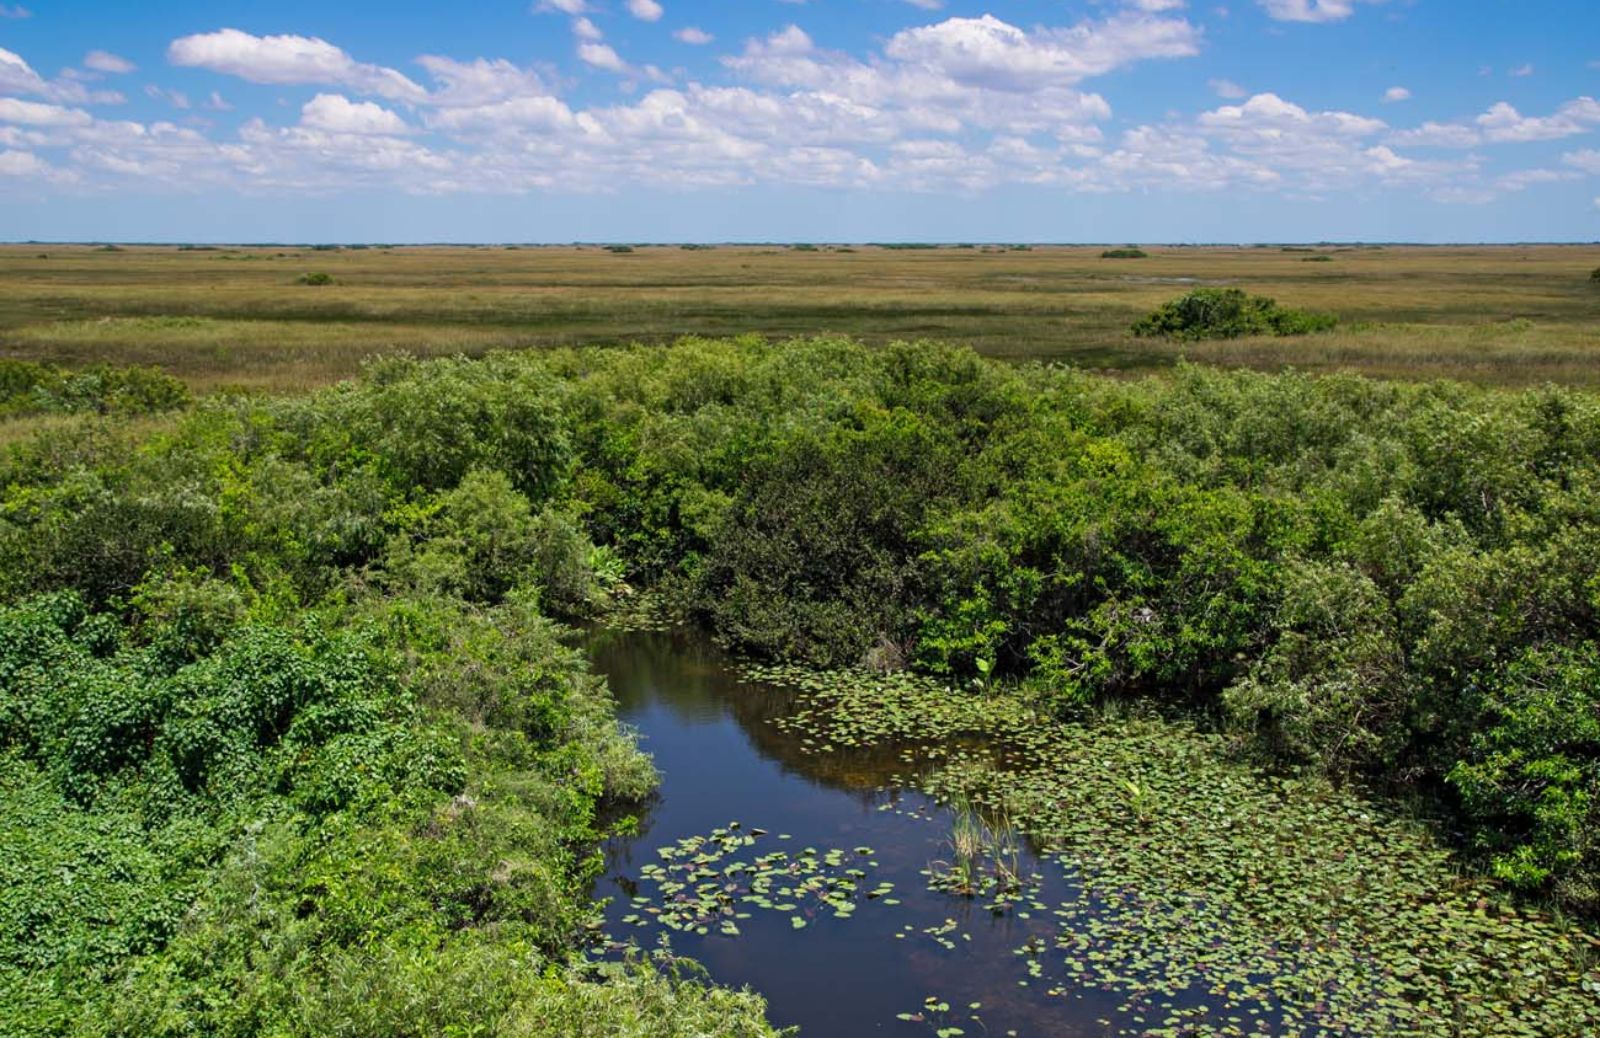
(985, 859)
(1208, 894)
(700, 887)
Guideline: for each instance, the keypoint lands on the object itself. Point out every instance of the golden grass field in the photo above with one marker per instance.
(1509, 315)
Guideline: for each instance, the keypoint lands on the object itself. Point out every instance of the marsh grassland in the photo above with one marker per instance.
(1510, 315)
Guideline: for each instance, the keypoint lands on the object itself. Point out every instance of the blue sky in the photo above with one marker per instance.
(766, 120)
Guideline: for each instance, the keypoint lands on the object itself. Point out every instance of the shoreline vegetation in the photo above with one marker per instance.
(291, 744)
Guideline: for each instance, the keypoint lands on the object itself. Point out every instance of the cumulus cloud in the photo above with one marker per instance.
(960, 104)
(286, 60)
(1502, 122)
(990, 53)
(601, 56)
(645, 10)
(34, 113)
(1396, 94)
(18, 77)
(336, 113)
(482, 81)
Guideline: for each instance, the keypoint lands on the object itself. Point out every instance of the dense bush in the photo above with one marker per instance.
(287, 744)
(1228, 313)
(316, 278)
(27, 388)
(254, 654)
(1128, 253)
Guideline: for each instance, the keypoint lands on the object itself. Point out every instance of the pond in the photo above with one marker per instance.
(1170, 891)
(908, 951)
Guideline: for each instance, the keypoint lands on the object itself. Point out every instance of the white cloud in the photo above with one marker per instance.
(14, 11)
(335, 113)
(1438, 135)
(584, 29)
(1227, 89)
(23, 164)
(468, 83)
(1311, 10)
(33, 113)
(1396, 94)
(1526, 178)
(176, 98)
(1521, 71)
(544, 114)
(645, 10)
(18, 76)
(990, 53)
(977, 73)
(693, 36)
(289, 60)
(963, 104)
(1503, 123)
(111, 64)
(563, 6)
(601, 56)
(1588, 161)
(1269, 118)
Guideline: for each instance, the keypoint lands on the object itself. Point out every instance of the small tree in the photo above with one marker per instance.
(318, 278)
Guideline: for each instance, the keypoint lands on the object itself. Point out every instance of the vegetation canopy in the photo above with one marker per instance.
(1228, 313)
(290, 745)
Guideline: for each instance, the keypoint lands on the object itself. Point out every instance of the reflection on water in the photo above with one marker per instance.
(722, 762)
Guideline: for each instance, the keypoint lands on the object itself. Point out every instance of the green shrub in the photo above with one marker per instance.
(28, 388)
(1531, 778)
(1128, 253)
(1594, 275)
(1331, 687)
(1228, 313)
(316, 278)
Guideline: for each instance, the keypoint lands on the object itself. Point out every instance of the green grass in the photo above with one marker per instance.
(236, 317)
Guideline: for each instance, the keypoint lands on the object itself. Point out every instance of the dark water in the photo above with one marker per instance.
(722, 761)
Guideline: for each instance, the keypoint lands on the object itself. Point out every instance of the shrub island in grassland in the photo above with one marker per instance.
(282, 694)
(1228, 313)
